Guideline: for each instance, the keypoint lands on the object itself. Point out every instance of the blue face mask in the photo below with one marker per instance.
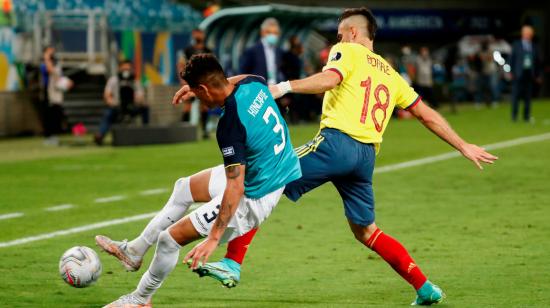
(271, 39)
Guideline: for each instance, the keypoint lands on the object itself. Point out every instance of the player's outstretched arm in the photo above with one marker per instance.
(439, 126)
(315, 84)
(232, 195)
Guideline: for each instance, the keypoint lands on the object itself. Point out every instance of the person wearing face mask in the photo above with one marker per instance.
(198, 44)
(123, 95)
(265, 58)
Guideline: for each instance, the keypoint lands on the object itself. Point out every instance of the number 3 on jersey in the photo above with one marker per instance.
(379, 105)
(278, 128)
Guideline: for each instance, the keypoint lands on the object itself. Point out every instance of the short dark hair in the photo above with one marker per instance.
(126, 62)
(365, 12)
(203, 68)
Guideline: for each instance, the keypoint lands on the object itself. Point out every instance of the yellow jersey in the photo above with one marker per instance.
(362, 104)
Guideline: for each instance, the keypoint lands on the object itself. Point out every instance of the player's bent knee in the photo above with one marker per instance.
(182, 184)
(166, 242)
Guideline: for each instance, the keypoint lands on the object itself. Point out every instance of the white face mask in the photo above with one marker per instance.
(126, 74)
(271, 39)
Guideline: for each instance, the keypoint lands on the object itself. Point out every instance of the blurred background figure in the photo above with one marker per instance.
(292, 66)
(407, 64)
(198, 45)
(424, 77)
(488, 76)
(211, 8)
(53, 86)
(265, 57)
(525, 65)
(125, 99)
(459, 84)
(323, 55)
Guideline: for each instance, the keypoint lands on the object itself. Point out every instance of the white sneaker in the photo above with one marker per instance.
(129, 301)
(120, 250)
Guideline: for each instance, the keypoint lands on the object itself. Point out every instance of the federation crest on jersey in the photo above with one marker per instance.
(229, 151)
(337, 56)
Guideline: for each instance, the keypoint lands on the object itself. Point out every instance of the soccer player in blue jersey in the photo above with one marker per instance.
(259, 161)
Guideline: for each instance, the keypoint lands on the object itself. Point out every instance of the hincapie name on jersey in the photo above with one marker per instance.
(257, 103)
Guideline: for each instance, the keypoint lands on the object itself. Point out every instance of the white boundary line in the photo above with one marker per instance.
(60, 207)
(412, 163)
(109, 199)
(155, 191)
(449, 155)
(103, 224)
(10, 215)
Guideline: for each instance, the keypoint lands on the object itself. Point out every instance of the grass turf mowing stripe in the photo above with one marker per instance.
(412, 163)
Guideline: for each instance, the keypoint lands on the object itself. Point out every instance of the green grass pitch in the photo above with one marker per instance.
(484, 237)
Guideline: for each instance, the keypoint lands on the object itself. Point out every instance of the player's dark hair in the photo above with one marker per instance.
(365, 12)
(203, 68)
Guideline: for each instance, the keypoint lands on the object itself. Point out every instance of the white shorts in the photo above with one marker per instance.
(249, 215)
(217, 183)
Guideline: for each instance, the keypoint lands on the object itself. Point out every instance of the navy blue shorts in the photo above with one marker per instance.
(336, 157)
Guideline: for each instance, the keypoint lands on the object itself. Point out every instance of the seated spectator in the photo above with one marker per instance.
(124, 97)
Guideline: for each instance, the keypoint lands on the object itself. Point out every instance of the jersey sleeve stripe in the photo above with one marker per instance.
(233, 165)
(337, 72)
(414, 103)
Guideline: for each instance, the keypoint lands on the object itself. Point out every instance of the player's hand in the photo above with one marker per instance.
(275, 91)
(201, 252)
(183, 94)
(477, 155)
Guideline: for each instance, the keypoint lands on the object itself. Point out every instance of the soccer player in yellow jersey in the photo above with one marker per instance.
(361, 91)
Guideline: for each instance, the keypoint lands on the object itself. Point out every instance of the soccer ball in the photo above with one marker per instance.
(80, 266)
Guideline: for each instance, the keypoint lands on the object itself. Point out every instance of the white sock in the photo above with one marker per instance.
(164, 261)
(173, 211)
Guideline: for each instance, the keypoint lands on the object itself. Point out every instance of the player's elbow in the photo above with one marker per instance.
(330, 84)
(424, 113)
(330, 81)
